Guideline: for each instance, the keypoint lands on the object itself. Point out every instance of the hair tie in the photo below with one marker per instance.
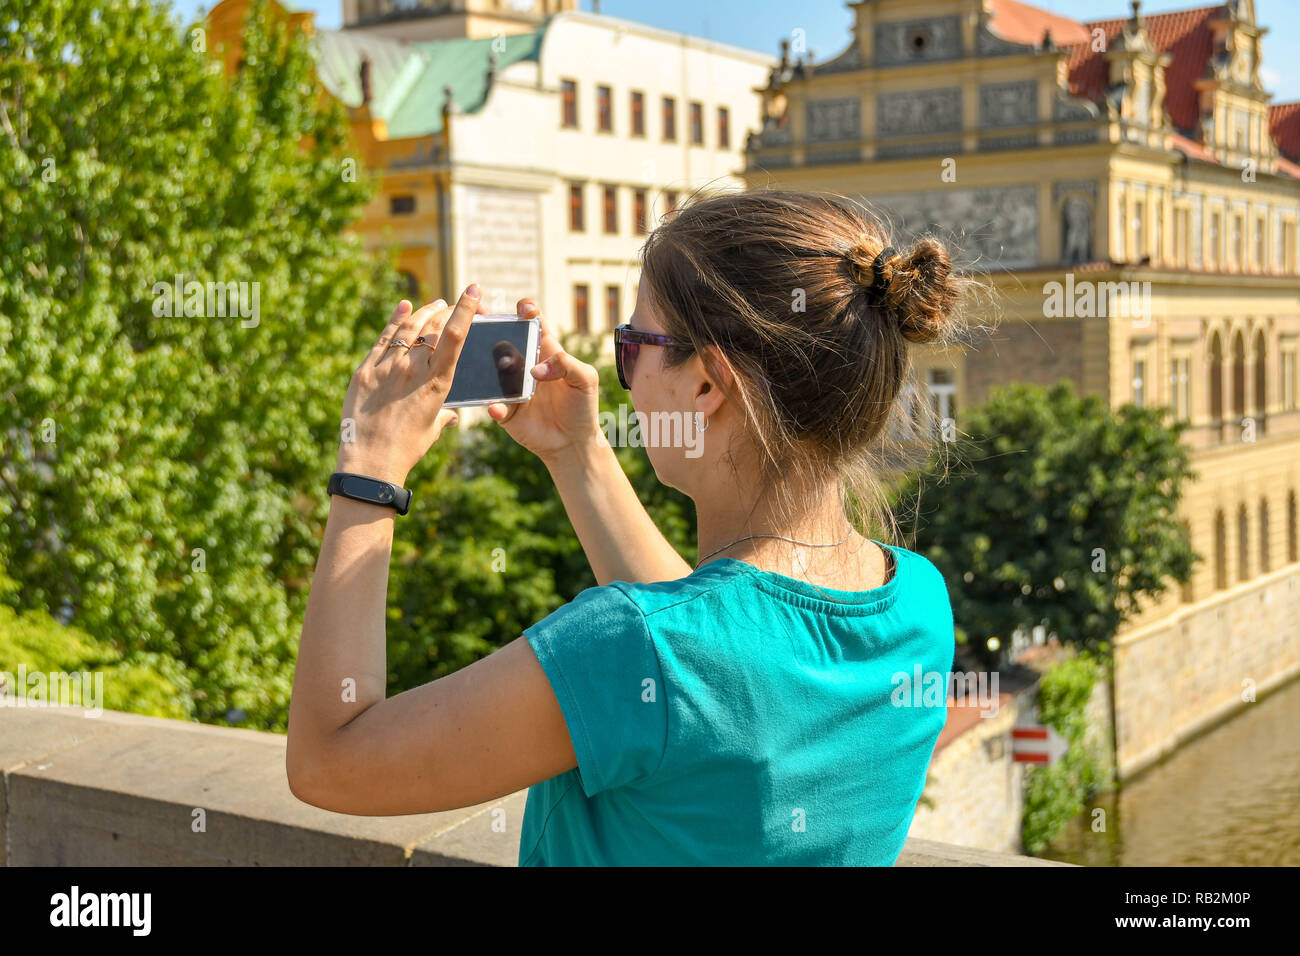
(877, 271)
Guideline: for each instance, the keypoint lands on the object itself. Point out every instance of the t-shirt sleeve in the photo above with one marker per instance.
(598, 654)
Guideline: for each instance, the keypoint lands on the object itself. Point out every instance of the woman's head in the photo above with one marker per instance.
(798, 332)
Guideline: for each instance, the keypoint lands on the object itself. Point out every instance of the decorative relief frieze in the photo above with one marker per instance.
(989, 228)
(912, 41)
(833, 120)
(919, 111)
(1008, 104)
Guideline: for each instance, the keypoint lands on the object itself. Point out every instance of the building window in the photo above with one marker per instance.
(1216, 239)
(670, 201)
(697, 124)
(1182, 229)
(611, 210)
(638, 113)
(639, 212)
(1288, 381)
(576, 219)
(1220, 551)
(1121, 222)
(1139, 383)
(1238, 378)
(401, 205)
(1263, 536)
(1288, 247)
(1261, 233)
(942, 385)
(1216, 378)
(1139, 231)
(569, 104)
(613, 306)
(1261, 378)
(1243, 544)
(1157, 232)
(724, 128)
(1292, 545)
(670, 119)
(604, 109)
(1180, 388)
(1239, 242)
(580, 321)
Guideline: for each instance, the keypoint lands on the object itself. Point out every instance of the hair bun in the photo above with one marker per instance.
(919, 291)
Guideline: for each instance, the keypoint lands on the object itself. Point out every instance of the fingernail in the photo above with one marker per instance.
(473, 291)
(454, 421)
(541, 369)
(404, 306)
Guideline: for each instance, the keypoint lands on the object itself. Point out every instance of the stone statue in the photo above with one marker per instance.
(1077, 219)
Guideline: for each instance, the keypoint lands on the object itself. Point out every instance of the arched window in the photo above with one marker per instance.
(1216, 383)
(1220, 551)
(1238, 379)
(1263, 536)
(1291, 544)
(1261, 379)
(1243, 544)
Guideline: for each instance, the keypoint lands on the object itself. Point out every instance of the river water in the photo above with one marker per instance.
(1228, 798)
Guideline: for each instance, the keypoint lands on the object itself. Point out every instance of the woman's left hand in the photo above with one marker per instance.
(394, 402)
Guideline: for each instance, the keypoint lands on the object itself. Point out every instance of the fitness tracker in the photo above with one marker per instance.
(370, 490)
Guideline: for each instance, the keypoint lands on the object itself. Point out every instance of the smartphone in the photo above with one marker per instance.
(494, 361)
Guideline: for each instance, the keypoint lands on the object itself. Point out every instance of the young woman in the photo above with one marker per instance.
(757, 709)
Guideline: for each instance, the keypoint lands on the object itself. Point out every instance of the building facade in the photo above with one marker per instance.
(1132, 197)
(529, 146)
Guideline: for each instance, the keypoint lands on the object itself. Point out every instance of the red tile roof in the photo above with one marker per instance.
(1184, 34)
(1284, 124)
(1018, 22)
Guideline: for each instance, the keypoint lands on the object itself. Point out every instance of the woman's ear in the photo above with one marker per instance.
(717, 372)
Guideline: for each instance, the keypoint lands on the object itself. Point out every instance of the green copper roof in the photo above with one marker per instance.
(407, 79)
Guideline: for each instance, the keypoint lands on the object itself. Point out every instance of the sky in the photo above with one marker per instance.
(761, 24)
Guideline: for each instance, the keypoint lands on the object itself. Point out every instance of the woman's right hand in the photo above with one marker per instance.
(563, 415)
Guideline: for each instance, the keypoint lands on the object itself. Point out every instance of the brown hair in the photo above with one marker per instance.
(815, 327)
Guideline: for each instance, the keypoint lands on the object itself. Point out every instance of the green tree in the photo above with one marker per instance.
(162, 473)
(1052, 508)
(151, 685)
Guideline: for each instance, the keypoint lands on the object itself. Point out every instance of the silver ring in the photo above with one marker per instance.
(397, 342)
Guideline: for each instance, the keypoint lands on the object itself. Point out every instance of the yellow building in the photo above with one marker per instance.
(527, 145)
(1131, 193)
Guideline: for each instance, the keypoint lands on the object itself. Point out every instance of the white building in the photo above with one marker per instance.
(529, 146)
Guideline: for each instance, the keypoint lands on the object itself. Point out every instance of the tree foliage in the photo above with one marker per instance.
(1052, 508)
(161, 475)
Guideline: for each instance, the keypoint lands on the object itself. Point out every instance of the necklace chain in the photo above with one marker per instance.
(807, 544)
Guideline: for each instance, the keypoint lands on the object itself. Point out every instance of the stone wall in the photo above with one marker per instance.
(1179, 676)
(124, 790)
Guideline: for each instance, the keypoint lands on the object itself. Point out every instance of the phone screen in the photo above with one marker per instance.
(494, 362)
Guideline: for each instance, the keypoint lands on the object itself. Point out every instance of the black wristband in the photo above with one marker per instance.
(372, 491)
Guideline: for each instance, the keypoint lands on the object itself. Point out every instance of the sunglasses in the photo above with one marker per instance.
(627, 346)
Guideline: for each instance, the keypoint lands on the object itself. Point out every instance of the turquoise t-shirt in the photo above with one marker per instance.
(739, 717)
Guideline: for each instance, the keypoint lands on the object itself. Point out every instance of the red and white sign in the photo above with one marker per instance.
(1035, 744)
